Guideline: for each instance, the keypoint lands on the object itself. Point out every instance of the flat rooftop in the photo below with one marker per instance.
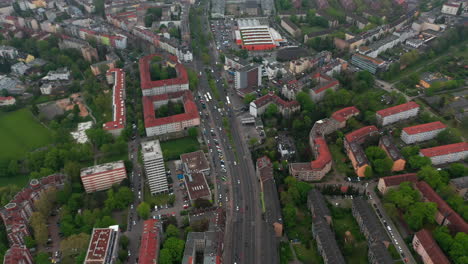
(151, 150)
(196, 161)
(102, 168)
(197, 187)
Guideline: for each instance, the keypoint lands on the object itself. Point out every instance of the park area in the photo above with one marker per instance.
(173, 148)
(20, 133)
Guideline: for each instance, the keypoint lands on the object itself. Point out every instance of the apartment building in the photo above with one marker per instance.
(150, 88)
(116, 77)
(446, 153)
(103, 176)
(249, 76)
(286, 108)
(354, 150)
(154, 166)
(207, 245)
(389, 182)
(450, 8)
(104, 246)
(324, 83)
(386, 143)
(195, 162)
(8, 52)
(290, 27)
(423, 132)
(18, 254)
(197, 186)
(321, 231)
(372, 65)
(397, 113)
(150, 242)
(8, 100)
(425, 245)
(156, 126)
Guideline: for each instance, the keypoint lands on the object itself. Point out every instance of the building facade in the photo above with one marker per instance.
(367, 63)
(397, 113)
(286, 108)
(249, 76)
(102, 177)
(427, 248)
(154, 166)
(446, 153)
(386, 143)
(389, 182)
(354, 150)
(423, 132)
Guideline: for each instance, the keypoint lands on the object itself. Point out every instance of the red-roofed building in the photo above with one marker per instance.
(423, 132)
(354, 150)
(9, 100)
(169, 124)
(197, 187)
(117, 78)
(149, 87)
(104, 246)
(446, 153)
(396, 113)
(427, 248)
(324, 83)
(386, 183)
(18, 254)
(344, 114)
(150, 242)
(286, 108)
(445, 214)
(316, 169)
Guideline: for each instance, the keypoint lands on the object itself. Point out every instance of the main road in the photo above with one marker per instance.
(248, 238)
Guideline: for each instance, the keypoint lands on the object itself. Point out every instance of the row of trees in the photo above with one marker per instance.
(455, 247)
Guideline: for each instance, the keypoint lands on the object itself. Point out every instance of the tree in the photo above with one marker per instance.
(175, 247)
(432, 177)
(45, 204)
(442, 236)
(271, 110)
(253, 142)
(420, 214)
(165, 256)
(374, 153)
(193, 132)
(42, 258)
(29, 242)
(202, 203)
(457, 170)
(39, 226)
(404, 196)
(305, 101)
(172, 231)
(382, 166)
(448, 136)
(368, 172)
(417, 162)
(13, 168)
(289, 214)
(124, 241)
(143, 210)
(249, 98)
(74, 245)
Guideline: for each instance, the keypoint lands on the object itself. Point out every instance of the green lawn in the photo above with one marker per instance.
(173, 148)
(308, 29)
(308, 256)
(19, 180)
(338, 159)
(21, 133)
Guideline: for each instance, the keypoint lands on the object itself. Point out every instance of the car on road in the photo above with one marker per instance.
(131, 207)
(237, 208)
(238, 181)
(129, 254)
(134, 223)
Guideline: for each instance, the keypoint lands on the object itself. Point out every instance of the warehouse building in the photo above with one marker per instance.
(251, 35)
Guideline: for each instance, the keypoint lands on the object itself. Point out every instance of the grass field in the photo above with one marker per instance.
(173, 148)
(20, 133)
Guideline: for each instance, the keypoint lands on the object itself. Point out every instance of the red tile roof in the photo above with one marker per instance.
(431, 247)
(145, 76)
(456, 221)
(17, 254)
(397, 179)
(272, 97)
(345, 113)
(360, 133)
(190, 107)
(444, 150)
(149, 245)
(99, 245)
(397, 109)
(424, 128)
(330, 82)
(323, 157)
(118, 102)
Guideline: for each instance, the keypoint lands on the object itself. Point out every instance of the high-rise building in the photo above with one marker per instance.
(154, 166)
(103, 176)
(249, 76)
(104, 246)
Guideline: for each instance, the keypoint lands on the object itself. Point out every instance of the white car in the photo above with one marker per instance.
(134, 223)
(237, 208)
(238, 181)
(131, 206)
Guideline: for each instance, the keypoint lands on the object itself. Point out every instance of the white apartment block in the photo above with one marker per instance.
(168, 88)
(102, 177)
(397, 113)
(154, 166)
(423, 132)
(176, 126)
(446, 154)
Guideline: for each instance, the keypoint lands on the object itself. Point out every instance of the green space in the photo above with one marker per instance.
(339, 159)
(308, 255)
(311, 29)
(161, 72)
(173, 148)
(355, 248)
(170, 109)
(21, 133)
(160, 199)
(19, 180)
(285, 253)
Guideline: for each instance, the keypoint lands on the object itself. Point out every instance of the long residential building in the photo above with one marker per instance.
(104, 246)
(286, 108)
(321, 231)
(176, 123)
(103, 176)
(446, 153)
(116, 77)
(427, 248)
(389, 182)
(397, 113)
(367, 63)
(149, 87)
(354, 150)
(154, 166)
(150, 242)
(423, 132)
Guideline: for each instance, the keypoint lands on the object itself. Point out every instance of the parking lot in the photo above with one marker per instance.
(223, 34)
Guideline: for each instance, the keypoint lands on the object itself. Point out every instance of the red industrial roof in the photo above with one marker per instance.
(272, 97)
(456, 222)
(431, 247)
(424, 128)
(345, 113)
(324, 156)
(397, 109)
(360, 133)
(444, 150)
(145, 76)
(397, 179)
(118, 103)
(190, 107)
(149, 245)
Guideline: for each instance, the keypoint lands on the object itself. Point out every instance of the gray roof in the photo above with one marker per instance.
(370, 221)
(210, 250)
(272, 204)
(392, 149)
(316, 202)
(461, 182)
(380, 253)
(330, 249)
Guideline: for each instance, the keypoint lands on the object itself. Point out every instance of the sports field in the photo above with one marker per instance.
(20, 133)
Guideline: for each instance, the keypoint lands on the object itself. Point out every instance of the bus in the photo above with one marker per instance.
(207, 99)
(228, 101)
(209, 95)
